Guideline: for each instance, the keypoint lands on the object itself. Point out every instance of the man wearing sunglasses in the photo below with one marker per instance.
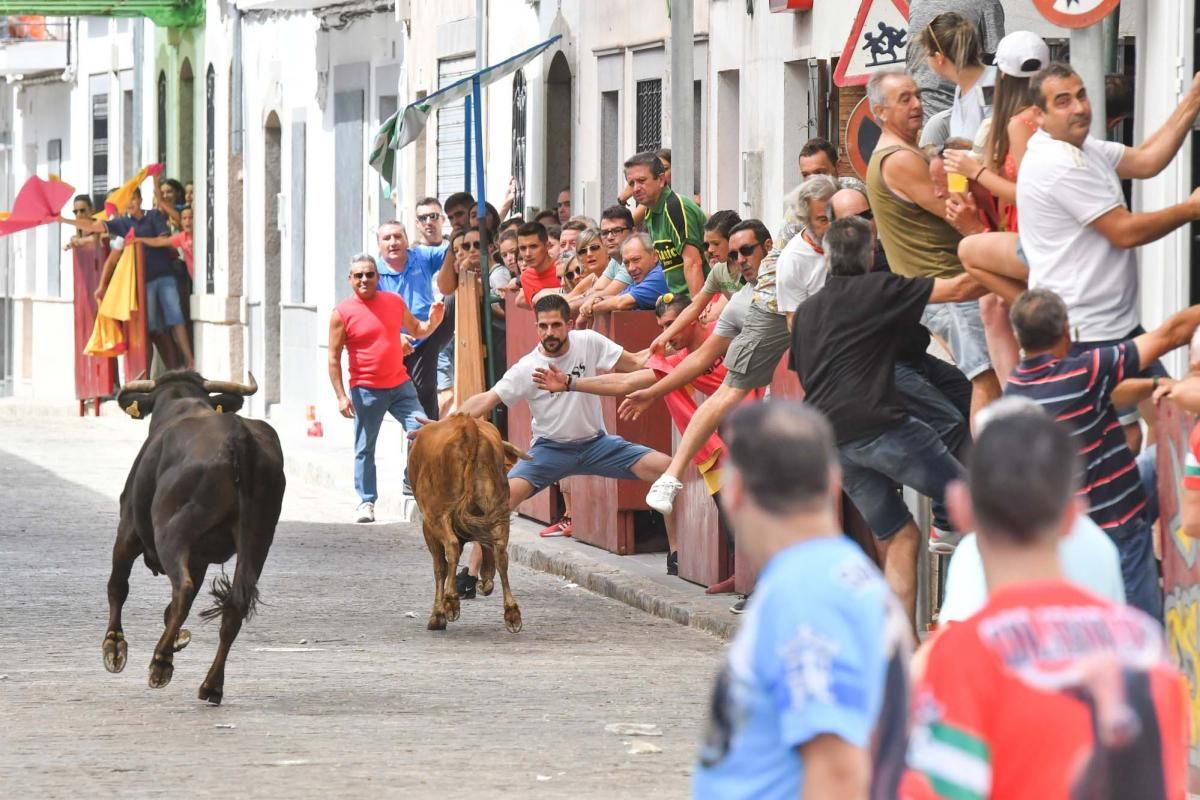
(785, 279)
(429, 222)
(410, 271)
(368, 326)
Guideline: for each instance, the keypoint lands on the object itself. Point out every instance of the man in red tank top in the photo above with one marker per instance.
(367, 325)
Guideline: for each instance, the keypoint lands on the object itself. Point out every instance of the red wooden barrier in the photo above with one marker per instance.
(1180, 569)
(94, 377)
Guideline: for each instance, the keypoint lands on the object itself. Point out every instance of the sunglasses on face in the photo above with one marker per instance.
(743, 252)
(591, 248)
(470, 246)
(358, 276)
(615, 231)
(429, 217)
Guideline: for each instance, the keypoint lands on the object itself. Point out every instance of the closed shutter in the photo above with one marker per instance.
(451, 129)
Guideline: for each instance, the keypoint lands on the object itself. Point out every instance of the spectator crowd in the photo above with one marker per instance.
(990, 228)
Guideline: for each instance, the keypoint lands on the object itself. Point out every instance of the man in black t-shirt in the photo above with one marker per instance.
(845, 340)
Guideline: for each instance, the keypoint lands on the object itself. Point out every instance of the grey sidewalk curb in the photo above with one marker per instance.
(642, 594)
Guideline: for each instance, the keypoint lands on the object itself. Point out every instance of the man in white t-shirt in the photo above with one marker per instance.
(1077, 236)
(569, 437)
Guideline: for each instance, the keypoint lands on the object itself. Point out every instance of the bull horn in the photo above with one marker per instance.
(138, 386)
(232, 387)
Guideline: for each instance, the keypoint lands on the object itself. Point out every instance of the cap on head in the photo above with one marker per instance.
(1021, 54)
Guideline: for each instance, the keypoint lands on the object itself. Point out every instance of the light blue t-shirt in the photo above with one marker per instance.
(615, 271)
(416, 283)
(822, 649)
(1087, 556)
(646, 293)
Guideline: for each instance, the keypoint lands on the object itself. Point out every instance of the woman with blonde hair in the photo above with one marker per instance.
(955, 54)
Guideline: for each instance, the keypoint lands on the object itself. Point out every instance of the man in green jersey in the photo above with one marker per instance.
(675, 223)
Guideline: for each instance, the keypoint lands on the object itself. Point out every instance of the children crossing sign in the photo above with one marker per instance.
(878, 40)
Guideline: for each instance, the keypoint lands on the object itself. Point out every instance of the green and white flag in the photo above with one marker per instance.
(403, 127)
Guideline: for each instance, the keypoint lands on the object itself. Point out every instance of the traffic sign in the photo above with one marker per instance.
(862, 134)
(878, 40)
(1075, 13)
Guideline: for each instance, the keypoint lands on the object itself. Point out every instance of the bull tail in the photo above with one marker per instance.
(469, 520)
(239, 596)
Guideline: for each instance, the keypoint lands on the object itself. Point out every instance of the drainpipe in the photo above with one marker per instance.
(236, 110)
(683, 98)
(139, 48)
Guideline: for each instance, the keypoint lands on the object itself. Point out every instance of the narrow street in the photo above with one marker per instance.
(335, 689)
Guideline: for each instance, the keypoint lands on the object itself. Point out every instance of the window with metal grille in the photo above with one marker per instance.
(518, 140)
(100, 143)
(451, 130)
(649, 115)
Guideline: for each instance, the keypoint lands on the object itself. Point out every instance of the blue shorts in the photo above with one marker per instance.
(961, 328)
(162, 304)
(606, 456)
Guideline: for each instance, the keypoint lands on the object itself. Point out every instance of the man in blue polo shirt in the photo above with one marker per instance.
(410, 271)
(649, 282)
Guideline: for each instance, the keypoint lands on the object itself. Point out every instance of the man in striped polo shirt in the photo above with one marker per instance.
(1076, 385)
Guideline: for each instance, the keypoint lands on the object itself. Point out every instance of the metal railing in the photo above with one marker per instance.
(29, 28)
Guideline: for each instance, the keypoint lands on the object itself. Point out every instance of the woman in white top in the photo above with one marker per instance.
(956, 54)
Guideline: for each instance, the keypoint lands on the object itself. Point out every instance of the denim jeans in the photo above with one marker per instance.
(909, 454)
(1139, 569)
(370, 405)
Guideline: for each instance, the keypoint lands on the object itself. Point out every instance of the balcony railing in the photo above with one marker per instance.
(31, 45)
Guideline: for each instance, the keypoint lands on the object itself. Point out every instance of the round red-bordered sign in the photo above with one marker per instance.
(862, 134)
(1075, 13)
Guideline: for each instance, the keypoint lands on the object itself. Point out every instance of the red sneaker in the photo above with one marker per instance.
(560, 528)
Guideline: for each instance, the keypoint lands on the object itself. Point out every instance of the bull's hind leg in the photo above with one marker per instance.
(213, 688)
(437, 619)
(185, 636)
(487, 570)
(126, 549)
(512, 612)
(183, 592)
(450, 602)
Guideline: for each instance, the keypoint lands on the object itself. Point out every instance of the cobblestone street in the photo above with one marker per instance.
(333, 690)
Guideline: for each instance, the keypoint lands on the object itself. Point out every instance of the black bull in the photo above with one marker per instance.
(205, 485)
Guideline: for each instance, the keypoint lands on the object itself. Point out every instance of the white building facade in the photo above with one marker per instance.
(271, 105)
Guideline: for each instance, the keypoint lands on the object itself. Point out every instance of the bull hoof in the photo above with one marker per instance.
(183, 639)
(437, 622)
(486, 585)
(512, 619)
(160, 674)
(212, 695)
(452, 607)
(115, 652)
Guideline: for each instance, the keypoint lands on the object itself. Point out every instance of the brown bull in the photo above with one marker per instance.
(458, 469)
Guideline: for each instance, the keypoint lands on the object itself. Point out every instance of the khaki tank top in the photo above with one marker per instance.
(917, 243)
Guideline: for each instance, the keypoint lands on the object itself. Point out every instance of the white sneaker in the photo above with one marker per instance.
(661, 496)
(365, 512)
